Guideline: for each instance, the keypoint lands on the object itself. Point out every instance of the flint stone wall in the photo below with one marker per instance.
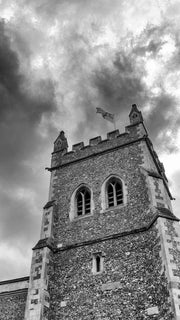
(132, 286)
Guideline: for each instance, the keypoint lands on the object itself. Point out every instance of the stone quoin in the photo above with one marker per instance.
(109, 244)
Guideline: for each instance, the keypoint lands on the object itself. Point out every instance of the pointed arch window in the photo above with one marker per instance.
(114, 192)
(83, 198)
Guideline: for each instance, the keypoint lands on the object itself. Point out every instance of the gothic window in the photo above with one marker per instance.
(83, 198)
(114, 192)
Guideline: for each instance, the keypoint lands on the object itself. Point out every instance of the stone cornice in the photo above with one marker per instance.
(118, 235)
(14, 292)
(160, 212)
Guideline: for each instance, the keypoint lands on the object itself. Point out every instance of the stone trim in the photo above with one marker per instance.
(96, 154)
(14, 292)
(47, 221)
(169, 232)
(154, 174)
(49, 243)
(96, 140)
(42, 243)
(49, 204)
(160, 174)
(14, 284)
(14, 280)
(73, 203)
(117, 235)
(144, 138)
(38, 295)
(157, 162)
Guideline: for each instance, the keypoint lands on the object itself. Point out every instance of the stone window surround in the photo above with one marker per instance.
(104, 195)
(83, 201)
(73, 205)
(94, 263)
(114, 189)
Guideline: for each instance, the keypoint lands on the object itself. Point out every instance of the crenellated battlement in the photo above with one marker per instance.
(98, 145)
(134, 132)
(97, 140)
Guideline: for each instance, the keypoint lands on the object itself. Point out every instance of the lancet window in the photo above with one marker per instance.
(114, 192)
(83, 197)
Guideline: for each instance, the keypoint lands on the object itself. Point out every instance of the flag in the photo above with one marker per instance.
(106, 115)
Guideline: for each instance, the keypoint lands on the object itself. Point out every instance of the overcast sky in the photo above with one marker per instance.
(59, 60)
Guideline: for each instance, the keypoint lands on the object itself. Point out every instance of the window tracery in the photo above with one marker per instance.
(114, 192)
(83, 198)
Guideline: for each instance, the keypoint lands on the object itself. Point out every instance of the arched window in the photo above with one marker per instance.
(83, 198)
(97, 262)
(114, 192)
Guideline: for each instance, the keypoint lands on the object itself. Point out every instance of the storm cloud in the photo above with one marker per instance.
(21, 112)
(69, 58)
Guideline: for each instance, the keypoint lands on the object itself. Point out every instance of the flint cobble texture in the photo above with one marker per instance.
(133, 262)
(126, 164)
(12, 306)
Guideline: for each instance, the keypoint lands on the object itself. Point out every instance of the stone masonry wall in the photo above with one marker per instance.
(12, 305)
(125, 163)
(13, 295)
(133, 285)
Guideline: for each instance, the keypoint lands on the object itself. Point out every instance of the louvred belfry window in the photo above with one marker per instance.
(114, 192)
(83, 202)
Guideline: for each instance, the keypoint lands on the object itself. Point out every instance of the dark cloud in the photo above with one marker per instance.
(164, 121)
(151, 40)
(121, 84)
(17, 215)
(23, 104)
(91, 72)
(115, 78)
(16, 97)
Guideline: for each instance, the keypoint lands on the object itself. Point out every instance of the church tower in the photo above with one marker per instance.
(110, 245)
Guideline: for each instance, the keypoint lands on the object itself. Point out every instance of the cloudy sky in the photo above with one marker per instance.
(61, 59)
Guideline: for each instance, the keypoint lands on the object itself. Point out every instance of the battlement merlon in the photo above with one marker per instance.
(96, 145)
(134, 133)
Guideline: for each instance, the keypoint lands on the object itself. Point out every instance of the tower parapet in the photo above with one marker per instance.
(133, 132)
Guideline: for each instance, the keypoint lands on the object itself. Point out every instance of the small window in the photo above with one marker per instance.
(97, 263)
(114, 192)
(83, 202)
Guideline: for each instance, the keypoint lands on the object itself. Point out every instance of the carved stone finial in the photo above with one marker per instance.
(135, 115)
(60, 143)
